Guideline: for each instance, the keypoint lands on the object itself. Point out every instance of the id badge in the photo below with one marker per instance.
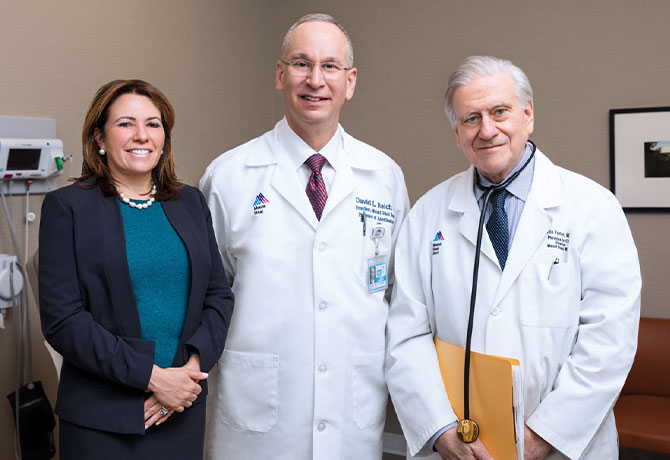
(378, 273)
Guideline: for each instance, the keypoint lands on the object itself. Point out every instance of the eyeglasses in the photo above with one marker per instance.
(303, 68)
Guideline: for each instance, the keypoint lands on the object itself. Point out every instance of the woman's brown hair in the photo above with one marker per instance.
(95, 165)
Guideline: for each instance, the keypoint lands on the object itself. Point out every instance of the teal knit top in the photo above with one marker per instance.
(160, 272)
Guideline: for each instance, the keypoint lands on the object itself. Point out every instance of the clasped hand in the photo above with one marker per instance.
(173, 388)
(451, 448)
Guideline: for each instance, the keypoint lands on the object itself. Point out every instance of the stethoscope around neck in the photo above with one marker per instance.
(467, 429)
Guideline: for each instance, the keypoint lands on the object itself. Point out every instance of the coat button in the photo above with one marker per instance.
(323, 368)
(495, 311)
(323, 306)
(321, 426)
(322, 247)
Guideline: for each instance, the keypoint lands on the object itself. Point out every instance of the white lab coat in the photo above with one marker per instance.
(302, 373)
(573, 324)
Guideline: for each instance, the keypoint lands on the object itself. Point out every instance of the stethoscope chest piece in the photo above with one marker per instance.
(467, 430)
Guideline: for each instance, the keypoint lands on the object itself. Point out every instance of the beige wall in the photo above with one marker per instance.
(215, 61)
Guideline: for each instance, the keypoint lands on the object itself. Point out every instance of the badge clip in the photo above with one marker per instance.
(378, 232)
(376, 235)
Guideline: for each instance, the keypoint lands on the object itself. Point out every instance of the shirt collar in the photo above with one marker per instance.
(520, 187)
(299, 151)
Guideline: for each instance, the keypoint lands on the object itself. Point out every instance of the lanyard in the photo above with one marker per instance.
(467, 429)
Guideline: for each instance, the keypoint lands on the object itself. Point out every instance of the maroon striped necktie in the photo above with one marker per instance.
(316, 188)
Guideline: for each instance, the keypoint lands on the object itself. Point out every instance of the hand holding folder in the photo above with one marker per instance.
(496, 398)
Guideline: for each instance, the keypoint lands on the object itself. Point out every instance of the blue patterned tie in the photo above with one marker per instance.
(316, 187)
(497, 226)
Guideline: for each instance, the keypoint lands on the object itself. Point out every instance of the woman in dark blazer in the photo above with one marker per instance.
(132, 290)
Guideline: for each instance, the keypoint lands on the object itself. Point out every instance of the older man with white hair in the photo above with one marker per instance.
(558, 281)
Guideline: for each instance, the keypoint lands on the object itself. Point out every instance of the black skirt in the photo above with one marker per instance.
(182, 436)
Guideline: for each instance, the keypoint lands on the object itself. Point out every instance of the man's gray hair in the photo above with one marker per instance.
(484, 66)
(323, 18)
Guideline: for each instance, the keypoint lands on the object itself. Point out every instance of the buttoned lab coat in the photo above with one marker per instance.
(302, 374)
(566, 305)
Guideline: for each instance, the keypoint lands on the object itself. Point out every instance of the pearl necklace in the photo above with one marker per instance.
(139, 206)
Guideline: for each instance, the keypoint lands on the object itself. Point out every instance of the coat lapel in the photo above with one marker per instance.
(464, 202)
(284, 178)
(343, 185)
(534, 223)
(116, 265)
(351, 159)
(182, 224)
(285, 182)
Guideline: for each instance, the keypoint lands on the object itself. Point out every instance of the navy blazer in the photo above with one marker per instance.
(88, 308)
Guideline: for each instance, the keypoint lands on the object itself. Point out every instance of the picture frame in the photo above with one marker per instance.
(640, 158)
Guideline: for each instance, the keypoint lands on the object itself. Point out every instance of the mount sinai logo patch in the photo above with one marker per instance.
(259, 204)
(437, 243)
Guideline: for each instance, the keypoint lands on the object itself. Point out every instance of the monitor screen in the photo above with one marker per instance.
(23, 159)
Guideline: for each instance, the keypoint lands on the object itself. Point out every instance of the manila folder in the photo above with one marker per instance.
(496, 401)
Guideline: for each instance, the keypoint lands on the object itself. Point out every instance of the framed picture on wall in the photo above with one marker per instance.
(640, 158)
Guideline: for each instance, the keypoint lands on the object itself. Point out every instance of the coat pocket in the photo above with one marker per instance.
(370, 393)
(248, 390)
(550, 294)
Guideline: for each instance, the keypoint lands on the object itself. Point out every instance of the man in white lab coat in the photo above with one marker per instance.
(302, 373)
(559, 291)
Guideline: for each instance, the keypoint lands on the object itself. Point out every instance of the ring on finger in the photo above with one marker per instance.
(163, 411)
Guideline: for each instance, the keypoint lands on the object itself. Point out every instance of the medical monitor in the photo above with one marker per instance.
(29, 158)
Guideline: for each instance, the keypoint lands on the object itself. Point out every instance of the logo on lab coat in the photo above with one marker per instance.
(437, 242)
(259, 204)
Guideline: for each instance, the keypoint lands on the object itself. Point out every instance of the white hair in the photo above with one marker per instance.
(484, 66)
(323, 18)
